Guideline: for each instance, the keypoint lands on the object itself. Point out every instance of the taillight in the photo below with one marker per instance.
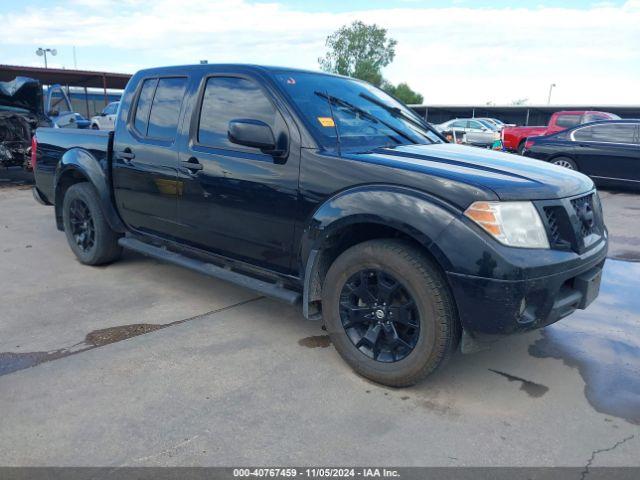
(528, 144)
(34, 152)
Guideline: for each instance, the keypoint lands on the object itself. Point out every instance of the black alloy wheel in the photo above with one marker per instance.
(379, 316)
(82, 226)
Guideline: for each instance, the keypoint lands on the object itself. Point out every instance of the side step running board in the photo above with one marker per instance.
(266, 288)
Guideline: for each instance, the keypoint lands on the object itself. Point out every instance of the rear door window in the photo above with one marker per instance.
(141, 119)
(614, 133)
(111, 109)
(583, 134)
(165, 109)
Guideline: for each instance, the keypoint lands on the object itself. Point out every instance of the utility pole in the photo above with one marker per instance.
(43, 52)
(550, 90)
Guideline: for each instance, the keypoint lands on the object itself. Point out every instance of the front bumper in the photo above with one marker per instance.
(490, 307)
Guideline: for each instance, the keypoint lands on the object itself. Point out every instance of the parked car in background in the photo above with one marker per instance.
(82, 122)
(513, 138)
(476, 132)
(325, 191)
(608, 151)
(106, 119)
(499, 124)
(21, 112)
(58, 107)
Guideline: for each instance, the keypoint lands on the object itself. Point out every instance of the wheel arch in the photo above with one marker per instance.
(367, 213)
(78, 165)
(570, 156)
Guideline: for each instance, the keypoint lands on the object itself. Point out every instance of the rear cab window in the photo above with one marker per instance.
(567, 121)
(143, 107)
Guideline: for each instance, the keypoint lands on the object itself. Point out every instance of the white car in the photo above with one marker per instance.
(107, 118)
(475, 131)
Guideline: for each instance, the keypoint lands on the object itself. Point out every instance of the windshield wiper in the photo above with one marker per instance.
(395, 111)
(364, 113)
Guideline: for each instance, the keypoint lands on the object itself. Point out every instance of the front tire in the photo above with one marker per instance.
(389, 312)
(89, 235)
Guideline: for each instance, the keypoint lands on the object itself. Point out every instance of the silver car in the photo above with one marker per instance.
(475, 131)
(499, 124)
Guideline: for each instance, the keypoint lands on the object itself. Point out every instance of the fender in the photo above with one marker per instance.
(419, 215)
(78, 162)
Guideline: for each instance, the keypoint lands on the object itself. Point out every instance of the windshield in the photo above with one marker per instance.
(358, 115)
(489, 125)
(493, 121)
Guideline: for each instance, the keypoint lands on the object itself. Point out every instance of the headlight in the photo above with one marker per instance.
(516, 224)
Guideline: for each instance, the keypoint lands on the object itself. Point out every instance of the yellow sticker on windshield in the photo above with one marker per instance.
(326, 121)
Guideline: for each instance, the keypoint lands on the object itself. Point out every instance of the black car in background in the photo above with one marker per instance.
(608, 151)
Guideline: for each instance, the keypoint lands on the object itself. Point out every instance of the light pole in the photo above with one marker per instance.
(550, 90)
(43, 51)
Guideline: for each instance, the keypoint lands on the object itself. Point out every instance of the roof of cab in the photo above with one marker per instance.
(230, 67)
(226, 66)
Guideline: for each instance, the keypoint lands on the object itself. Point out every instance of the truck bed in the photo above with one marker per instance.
(53, 143)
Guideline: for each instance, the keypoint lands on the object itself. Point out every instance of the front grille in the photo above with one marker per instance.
(554, 229)
(573, 224)
(580, 205)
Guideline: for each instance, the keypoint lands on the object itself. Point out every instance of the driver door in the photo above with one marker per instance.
(238, 201)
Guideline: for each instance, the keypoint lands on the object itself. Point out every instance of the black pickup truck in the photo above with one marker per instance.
(325, 191)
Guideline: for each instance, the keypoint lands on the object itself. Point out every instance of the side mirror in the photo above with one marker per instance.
(102, 114)
(252, 133)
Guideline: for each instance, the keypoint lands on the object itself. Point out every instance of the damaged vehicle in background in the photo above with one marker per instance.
(21, 112)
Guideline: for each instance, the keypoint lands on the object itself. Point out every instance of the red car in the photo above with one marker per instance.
(513, 138)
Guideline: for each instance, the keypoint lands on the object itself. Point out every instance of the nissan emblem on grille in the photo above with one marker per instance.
(585, 214)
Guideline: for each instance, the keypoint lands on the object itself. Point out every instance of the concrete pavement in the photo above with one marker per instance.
(246, 380)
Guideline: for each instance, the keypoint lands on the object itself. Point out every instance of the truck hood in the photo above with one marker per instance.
(509, 176)
(22, 92)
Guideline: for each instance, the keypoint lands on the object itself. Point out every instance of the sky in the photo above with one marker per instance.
(457, 52)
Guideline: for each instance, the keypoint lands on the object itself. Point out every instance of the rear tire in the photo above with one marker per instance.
(89, 235)
(420, 312)
(521, 146)
(565, 162)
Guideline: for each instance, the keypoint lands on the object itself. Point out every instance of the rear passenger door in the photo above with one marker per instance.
(239, 201)
(145, 159)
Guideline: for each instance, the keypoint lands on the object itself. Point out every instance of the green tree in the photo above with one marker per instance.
(360, 51)
(403, 92)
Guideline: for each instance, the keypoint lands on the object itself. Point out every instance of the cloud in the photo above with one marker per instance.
(452, 55)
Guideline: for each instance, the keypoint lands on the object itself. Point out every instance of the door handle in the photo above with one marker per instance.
(193, 164)
(127, 155)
